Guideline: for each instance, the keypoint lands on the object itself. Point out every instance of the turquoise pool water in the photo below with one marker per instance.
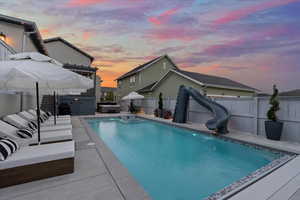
(177, 164)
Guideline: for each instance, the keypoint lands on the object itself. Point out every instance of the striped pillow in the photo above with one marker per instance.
(4, 151)
(25, 133)
(13, 145)
(48, 113)
(45, 116)
(32, 125)
(41, 119)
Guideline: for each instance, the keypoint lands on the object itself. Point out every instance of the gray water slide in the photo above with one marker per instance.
(221, 115)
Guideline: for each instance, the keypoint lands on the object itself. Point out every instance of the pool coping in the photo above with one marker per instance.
(222, 194)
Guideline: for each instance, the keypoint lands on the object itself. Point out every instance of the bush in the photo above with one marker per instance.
(166, 114)
(271, 114)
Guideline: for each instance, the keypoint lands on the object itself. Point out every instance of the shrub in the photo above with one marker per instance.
(271, 114)
(166, 114)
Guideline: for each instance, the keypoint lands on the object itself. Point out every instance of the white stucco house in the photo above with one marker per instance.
(18, 35)
(79, 61)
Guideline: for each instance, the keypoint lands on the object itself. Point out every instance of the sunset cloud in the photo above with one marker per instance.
(76, 3)
(261, 37)
(179, 33)
(241, 13)
(163, 17)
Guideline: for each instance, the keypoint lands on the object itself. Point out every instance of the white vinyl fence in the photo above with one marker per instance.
(247, 114)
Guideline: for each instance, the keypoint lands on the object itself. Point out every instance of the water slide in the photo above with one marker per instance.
(221, 115)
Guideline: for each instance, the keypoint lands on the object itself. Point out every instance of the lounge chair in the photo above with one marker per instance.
(32, 111)
(19, 122)
(33, 163)
(29, 117)
(7, 130)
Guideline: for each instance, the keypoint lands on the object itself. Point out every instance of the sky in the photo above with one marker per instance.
(256, 42)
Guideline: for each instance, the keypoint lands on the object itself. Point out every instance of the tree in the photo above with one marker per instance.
(274, 105)
(160, 105)
(109, 96)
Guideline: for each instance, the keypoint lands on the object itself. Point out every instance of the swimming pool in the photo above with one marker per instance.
(172, 163)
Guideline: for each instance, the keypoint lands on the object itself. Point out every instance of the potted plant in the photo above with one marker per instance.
(273, 127)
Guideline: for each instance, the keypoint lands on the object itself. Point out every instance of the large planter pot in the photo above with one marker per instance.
(273, 130)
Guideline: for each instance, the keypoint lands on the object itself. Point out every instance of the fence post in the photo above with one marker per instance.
(256, 113)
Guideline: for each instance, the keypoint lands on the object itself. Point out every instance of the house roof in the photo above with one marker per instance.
(208, 80)
(147, 88)
(80, 67)
(29, 26)
(56, 39)
(144, 66)
(291, 93)
(108, 89)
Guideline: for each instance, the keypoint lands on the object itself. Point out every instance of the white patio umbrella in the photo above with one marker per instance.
(29, 72)
(132, 96)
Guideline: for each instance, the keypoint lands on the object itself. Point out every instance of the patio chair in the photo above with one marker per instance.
(29, 117)
(7, 130)
(33, 112)
(19, 122)
(33, 163)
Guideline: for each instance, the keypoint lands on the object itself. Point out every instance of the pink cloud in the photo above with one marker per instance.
(87, 35)
(246, 11)
(251, 43)
(78, 3)
(174, 33)
(163, 17)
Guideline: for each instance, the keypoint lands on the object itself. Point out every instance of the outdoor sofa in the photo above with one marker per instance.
(37, 162)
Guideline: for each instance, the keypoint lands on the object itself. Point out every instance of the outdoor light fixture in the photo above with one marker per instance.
(2, 36)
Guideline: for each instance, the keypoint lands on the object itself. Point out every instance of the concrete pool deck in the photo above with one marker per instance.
(100, 176)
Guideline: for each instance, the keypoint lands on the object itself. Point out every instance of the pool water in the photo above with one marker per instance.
(171, 163)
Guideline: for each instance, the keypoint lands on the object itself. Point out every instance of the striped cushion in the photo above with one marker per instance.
(45, 116)
(4, 151)
(25, 133)
(48, 113)
(32, 125)
(13, 145)
(41, 119)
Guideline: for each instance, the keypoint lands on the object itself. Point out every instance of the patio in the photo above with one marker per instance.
(99, 175)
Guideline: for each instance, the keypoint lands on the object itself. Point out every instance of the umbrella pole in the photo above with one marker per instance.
(38, 112)
(54, 104)
(21, 101)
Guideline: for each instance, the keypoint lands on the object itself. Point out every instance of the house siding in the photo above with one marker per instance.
(14, 34)
(170, 86)
(149, 75)
(65, 54)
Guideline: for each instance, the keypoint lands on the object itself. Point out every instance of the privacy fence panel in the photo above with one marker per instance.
(247, 114)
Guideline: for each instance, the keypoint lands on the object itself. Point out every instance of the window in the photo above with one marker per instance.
(140, 78)
(164, 65)
(132, 79)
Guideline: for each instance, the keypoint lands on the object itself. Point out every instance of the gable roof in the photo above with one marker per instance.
(295, 93)
(29, 26)
(147, 88)
(144, 66)
(59, 39)
(108, 89)
(208, 80)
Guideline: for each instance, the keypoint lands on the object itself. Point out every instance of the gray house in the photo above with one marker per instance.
(162, 75)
